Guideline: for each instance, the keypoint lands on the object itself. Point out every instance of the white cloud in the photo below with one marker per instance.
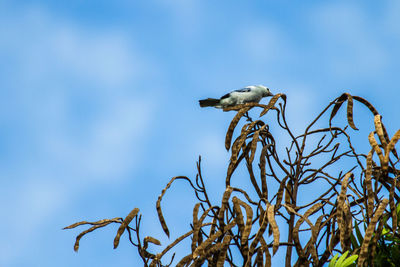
(55, 58)
(75, 134)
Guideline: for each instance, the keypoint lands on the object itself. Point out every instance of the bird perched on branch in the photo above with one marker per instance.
(249, 94)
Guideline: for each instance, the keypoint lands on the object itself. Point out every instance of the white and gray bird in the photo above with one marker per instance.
(252, 93)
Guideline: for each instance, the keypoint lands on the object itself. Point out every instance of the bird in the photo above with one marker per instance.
(248, 94)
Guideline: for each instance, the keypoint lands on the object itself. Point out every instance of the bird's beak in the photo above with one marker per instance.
(270, 94)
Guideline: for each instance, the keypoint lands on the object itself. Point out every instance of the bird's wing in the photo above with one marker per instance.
(225, 96)
(243, 90)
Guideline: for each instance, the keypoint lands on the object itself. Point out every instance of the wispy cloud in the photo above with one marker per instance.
(74, 134)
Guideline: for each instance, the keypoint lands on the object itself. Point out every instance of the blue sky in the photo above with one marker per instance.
(98, 103)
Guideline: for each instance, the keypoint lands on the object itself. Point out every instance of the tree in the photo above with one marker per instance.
(356, 188)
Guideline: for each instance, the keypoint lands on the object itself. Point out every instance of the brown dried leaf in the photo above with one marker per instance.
(125, 224)
(232, 126)
(370, 231)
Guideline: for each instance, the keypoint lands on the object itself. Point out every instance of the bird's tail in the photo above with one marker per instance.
(209, 102)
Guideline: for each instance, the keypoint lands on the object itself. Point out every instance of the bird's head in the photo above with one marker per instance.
(264, 90)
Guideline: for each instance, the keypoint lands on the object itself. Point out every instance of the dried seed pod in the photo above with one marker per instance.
(339, 209)
(368, 184)
(370, 231)
(272, 102)
(377, 149)
(350, 112)
(125, 224)
(275, 229)
(379, 129)
(232, 126)
(389, 148)
(222, 254)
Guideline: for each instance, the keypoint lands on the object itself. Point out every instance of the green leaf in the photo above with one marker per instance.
(385, 231)
(349, 261)
(359, 235)
(333, 261)
(341, 259)
(354, 241)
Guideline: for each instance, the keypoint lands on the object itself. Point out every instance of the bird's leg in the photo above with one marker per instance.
(246, 115)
